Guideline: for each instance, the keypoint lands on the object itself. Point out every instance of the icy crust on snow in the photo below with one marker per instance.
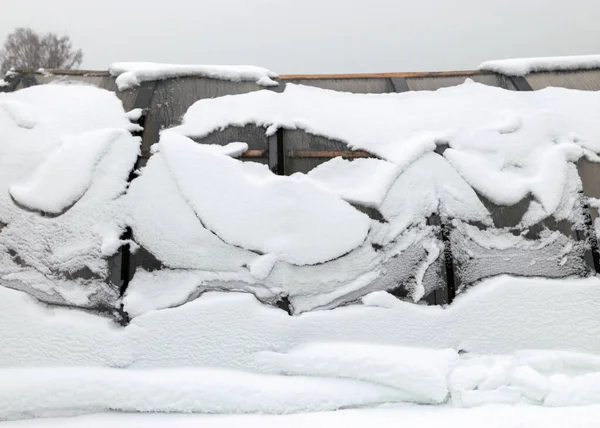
(130, 74)
(65, 155)
(523, 66)
(480, 254)
(227, 353)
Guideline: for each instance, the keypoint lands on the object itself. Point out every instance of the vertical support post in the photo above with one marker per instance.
(142, 101)
(592, 257)
(447, 295)
(449, 261)
(276, 153)
(521, 83)
(400, 84)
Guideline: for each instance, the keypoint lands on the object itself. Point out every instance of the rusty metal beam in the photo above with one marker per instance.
(384, 75)
(326, 154)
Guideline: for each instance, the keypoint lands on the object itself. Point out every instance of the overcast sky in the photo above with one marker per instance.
(313, 36)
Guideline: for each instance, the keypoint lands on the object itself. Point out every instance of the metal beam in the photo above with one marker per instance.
(521, 83)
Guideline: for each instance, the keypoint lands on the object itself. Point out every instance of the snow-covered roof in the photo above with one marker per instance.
(129, 74)
(524, 66)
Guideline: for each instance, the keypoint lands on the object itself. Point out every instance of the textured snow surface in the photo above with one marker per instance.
(131, 74)
(523, 66)
(492, 416)
(421, 373)
(225, 329)
(228, 353)
(47, 392)
(65, 155)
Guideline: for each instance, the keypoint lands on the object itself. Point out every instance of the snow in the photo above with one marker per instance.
(65, 150)
(494, 135)
(493, 416)
(281, 215)
(4, 83)
(523, 66)
(228, 353)
(361, 181)
(66, 174)
(44, 392)
(421, 373)
(130, 74)
(224, 329)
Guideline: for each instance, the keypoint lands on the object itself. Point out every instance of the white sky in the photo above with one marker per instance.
(312, 36)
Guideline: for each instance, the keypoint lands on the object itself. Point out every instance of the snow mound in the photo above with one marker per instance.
(131, 74)
(66, 174)
(51, 392)
(523, 66)
(421, 373)
(361, 181)
(250, 207)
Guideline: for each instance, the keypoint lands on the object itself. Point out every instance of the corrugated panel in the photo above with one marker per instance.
(254, 135)
(173, 97)
(355, 85)
(589, 172)
(588, 80)
(433, 83)
(297, 140)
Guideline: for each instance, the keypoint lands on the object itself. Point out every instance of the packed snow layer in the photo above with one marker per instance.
(316, 385)
(65, 151)
(497, 416)
(226, 329)
(421, 373)
(131, 74)
(47, 392)
(523, 66)
(181, 359)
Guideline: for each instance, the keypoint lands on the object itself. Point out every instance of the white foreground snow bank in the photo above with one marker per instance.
(523, 66)
(492, 416)
(50, 392)
(421, 373)
(350, 356)
(322, 380)
(131, 74)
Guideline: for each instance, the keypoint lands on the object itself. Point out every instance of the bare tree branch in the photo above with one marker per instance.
(24, 48)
